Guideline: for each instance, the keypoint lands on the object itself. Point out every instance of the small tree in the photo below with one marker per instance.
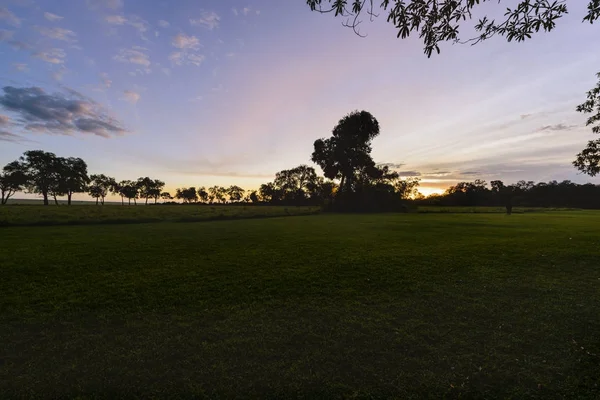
(99, 186)
(235, 193)
(39, 167)
(130, 190)
(202, 194)
(12, 179)
(253, 197)
(187, 195)
(166, 196)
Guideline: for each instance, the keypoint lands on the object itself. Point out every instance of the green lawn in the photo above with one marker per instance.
(35, 215)
(354, 306)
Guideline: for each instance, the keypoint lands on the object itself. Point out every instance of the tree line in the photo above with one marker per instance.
(523, 193)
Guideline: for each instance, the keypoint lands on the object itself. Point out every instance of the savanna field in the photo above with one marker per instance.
(126, 302)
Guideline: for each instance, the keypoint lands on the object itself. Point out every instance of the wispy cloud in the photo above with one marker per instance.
(140, 24)
(110, 4)
(163, 24)
(131, 96)
(63, 113)
(58, 33)
(185, 42)
(209, 20)
(52, 17)
(135, 55)
(52, 56)
(58, 74)
(4, 120)
(5, 35)
(391, 165)
(106, 82)
(187, 54)
(9, 17)
(557, 127)
(6, 136)
(116, 19)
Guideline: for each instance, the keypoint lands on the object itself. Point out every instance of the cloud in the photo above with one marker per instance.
(57, 33)
(163, 24)
(111, 4)
(407, 174)
(58, 75)
(52, 56)
(185, 42)
(106, 82)
(235, 11)
(4, 120)
(135, 55)
(391, 165)
(140, 24)
(525, 116)
(19, 45)
(196, 59)
(131, 96)
(246, 10)
(58, 113)
(9, 17)
(116, 19)
(9, 137)
(52, 17)
(557, 127)
(187, 55)
(209, 20)
(5, 35)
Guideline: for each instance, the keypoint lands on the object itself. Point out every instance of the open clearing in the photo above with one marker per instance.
(360, 306)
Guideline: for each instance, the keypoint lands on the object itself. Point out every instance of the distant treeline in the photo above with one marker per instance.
(352, 182)
(523, 193)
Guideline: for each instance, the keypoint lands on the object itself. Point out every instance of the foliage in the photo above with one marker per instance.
(12, 179)
(402, 306)
(99, 187)
(437, 21)
(187, 195)
(235, 193)
(150, 188)
(40, 168)
(588, 160)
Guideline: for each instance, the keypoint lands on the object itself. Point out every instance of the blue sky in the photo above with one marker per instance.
(230, 92)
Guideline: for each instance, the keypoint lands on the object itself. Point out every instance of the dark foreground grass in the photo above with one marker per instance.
(376, 306)
(36, 215)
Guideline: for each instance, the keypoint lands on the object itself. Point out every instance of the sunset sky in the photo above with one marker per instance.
(198, 93)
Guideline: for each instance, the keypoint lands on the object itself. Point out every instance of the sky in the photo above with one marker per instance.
(202, 93)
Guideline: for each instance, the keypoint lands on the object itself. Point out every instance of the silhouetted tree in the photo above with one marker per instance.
(269, 193)
(69, 176)
(253, 197)
(150, 188)
(13, 178)
(235, 193)
(130, 190)
(203, 194)
(99, 186)
(348, 150)
(166, 196)
(187, 195)
(39, 167)
(588, 161)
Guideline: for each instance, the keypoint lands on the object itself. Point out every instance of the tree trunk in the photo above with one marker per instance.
(146, 201)
(69, 198)
(129, 200)
(102, 200)
(122, 200)
(45, 195)
(96, 200)
(55, 200)
(134, 202)
(155, 200)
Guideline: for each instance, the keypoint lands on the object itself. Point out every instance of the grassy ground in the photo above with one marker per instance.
(35, 215)
(361, 306)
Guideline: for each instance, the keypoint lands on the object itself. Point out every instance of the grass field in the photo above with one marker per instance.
(28, 215)
(355, 306)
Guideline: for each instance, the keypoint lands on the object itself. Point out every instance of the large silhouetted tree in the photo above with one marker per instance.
(150, 188)
(12, 179)
(348, 150)
(202, 194)
(40, 168)
(187, 195)
(438, 21)
(69, 176)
